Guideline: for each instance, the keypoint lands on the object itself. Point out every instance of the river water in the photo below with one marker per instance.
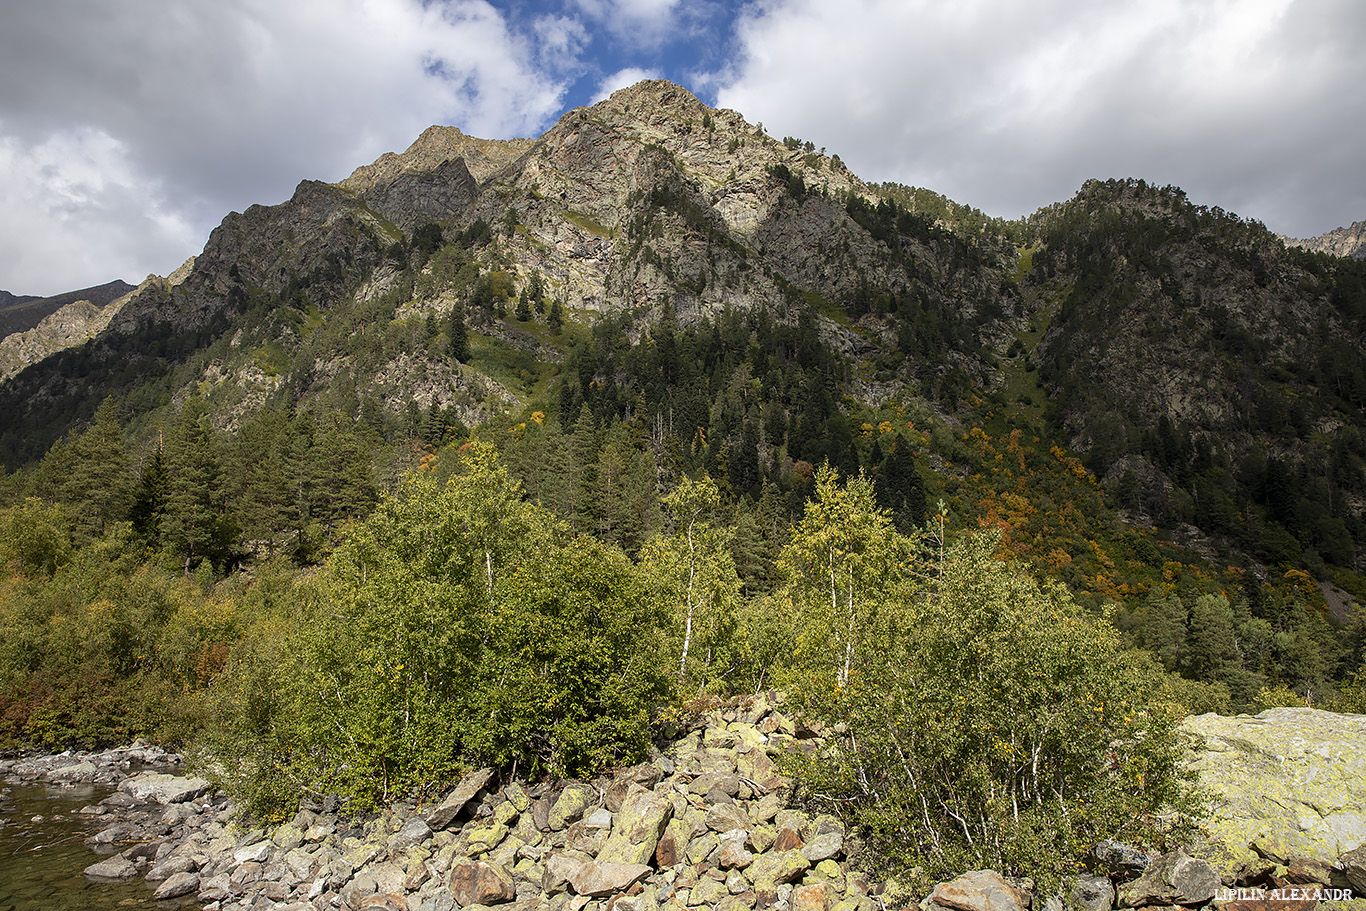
(43, 851)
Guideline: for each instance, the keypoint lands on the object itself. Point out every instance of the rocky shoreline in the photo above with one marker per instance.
(705, 824)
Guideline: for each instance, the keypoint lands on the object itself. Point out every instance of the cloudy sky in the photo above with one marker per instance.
(128, 130)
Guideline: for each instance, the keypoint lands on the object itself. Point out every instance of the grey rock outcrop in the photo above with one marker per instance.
(1348, 241)
(1173, 879)
(1287, 783)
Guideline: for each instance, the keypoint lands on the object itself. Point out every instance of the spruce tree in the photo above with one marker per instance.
(193, 525)
(459, 335)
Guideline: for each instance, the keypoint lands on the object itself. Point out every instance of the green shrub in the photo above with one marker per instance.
(993, 723)
(458, 625)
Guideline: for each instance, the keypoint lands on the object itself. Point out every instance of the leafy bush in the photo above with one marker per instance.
(993, 723)
(458, 625)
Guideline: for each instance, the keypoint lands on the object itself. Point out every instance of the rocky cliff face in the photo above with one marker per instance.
(1349, 241)
(70, 325)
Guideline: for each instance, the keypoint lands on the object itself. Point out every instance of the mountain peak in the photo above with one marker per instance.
(437, 145)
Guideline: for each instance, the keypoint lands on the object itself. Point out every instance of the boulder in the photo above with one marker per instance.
(1173, 879)
(445, 813)
(1290, 782)
(1117, 857)
(1091, 893)
(812, 897)
(76, 773)
(414, 831)
(823, 847)
(560, 870)
(637, 828)
(479, 883)
(597, 879)
(731, 853)
(770, 870)
(158, 787)
(113, 868)
(980, 890)
(1353, 866)
(568, 807)
(176, 885)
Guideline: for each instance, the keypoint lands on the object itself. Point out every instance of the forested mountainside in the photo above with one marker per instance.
(661, 358)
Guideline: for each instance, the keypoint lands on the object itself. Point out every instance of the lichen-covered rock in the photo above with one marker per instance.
(158, 787)
(980, 890)
(637, 829)
(568, 807)
(1289, 782)
(1173, 879)
(770, 870)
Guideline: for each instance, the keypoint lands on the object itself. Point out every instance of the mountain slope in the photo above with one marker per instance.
(1211, 375)
(1205, 370)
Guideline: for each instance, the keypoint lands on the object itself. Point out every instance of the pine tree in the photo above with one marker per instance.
(149, 498)
(343, 484)
(459, 335)
(193, 524)
(97, 482)
(900, 488)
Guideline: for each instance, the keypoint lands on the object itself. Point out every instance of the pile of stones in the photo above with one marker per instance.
(705, 824)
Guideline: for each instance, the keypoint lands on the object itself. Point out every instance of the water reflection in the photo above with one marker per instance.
(43, 851)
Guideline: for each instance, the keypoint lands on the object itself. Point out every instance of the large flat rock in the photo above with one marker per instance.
(1288, 782)
(158, 787)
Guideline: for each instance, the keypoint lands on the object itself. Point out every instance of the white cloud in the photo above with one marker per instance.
(233, 102)
(81, 213)
(644, 23)
(621, 79)
(1009, 106)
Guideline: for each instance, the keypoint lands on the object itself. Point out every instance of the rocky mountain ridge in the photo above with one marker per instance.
(646, 202)
(20, 313)
(1349, 241)
(1155, 336)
